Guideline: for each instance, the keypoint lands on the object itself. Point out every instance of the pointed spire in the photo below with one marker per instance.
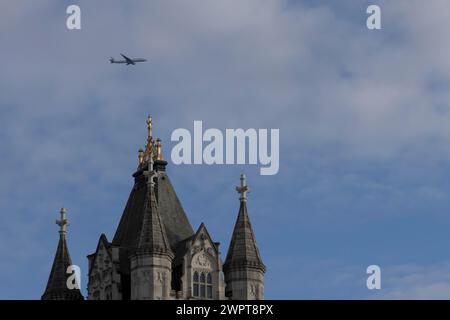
(152, 238)
(243, 251)
(57, 282)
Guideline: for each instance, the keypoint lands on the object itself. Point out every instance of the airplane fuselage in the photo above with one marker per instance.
(127, 60)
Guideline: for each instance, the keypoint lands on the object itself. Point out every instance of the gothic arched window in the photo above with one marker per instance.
(209, 286)
(196, 285)
(202, 285)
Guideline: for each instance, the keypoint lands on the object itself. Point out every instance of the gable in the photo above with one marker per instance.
(102, 257)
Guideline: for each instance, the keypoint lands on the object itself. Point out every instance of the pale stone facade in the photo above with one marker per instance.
(151, 276)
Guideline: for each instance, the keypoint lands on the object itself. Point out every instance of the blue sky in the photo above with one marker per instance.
(363, 118)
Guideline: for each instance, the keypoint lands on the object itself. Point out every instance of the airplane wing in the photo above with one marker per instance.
(126, 58)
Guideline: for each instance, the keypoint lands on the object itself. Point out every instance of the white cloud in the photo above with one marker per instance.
(416, 282)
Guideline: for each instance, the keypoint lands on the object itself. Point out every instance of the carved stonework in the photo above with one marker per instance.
(196, 249)
(202, 260)
(146, 276)
(161, 277)
(210, 251)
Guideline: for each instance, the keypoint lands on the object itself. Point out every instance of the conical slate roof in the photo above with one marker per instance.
(152, 238)
(57, 282)
(139, 226)
(243, 251)
(173, 217)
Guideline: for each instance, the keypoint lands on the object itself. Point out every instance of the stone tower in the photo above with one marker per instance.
(155, 253)
(244, 269)
(151, 262)
(57, 288)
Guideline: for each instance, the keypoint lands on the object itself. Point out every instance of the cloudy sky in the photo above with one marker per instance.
(364, 119)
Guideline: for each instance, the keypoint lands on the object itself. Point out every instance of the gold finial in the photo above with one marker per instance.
(149, 127)
(141, 156)
(158, 150)
(149, 147)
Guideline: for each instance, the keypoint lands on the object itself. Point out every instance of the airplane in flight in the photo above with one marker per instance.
(127, 60)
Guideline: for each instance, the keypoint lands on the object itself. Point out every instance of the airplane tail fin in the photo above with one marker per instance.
(111, 60)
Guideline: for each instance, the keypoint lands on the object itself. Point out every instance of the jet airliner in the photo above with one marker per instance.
(127, 60)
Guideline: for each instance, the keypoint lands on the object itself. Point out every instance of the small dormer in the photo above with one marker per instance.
(103, 281)
(203, 267)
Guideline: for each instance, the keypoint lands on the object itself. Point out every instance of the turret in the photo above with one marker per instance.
(57, 287)
(243, 267)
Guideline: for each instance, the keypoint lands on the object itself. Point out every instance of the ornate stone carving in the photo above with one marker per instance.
(210, 251)
(146, 276)
(202, 260)
(253, 290)
(196, 249)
